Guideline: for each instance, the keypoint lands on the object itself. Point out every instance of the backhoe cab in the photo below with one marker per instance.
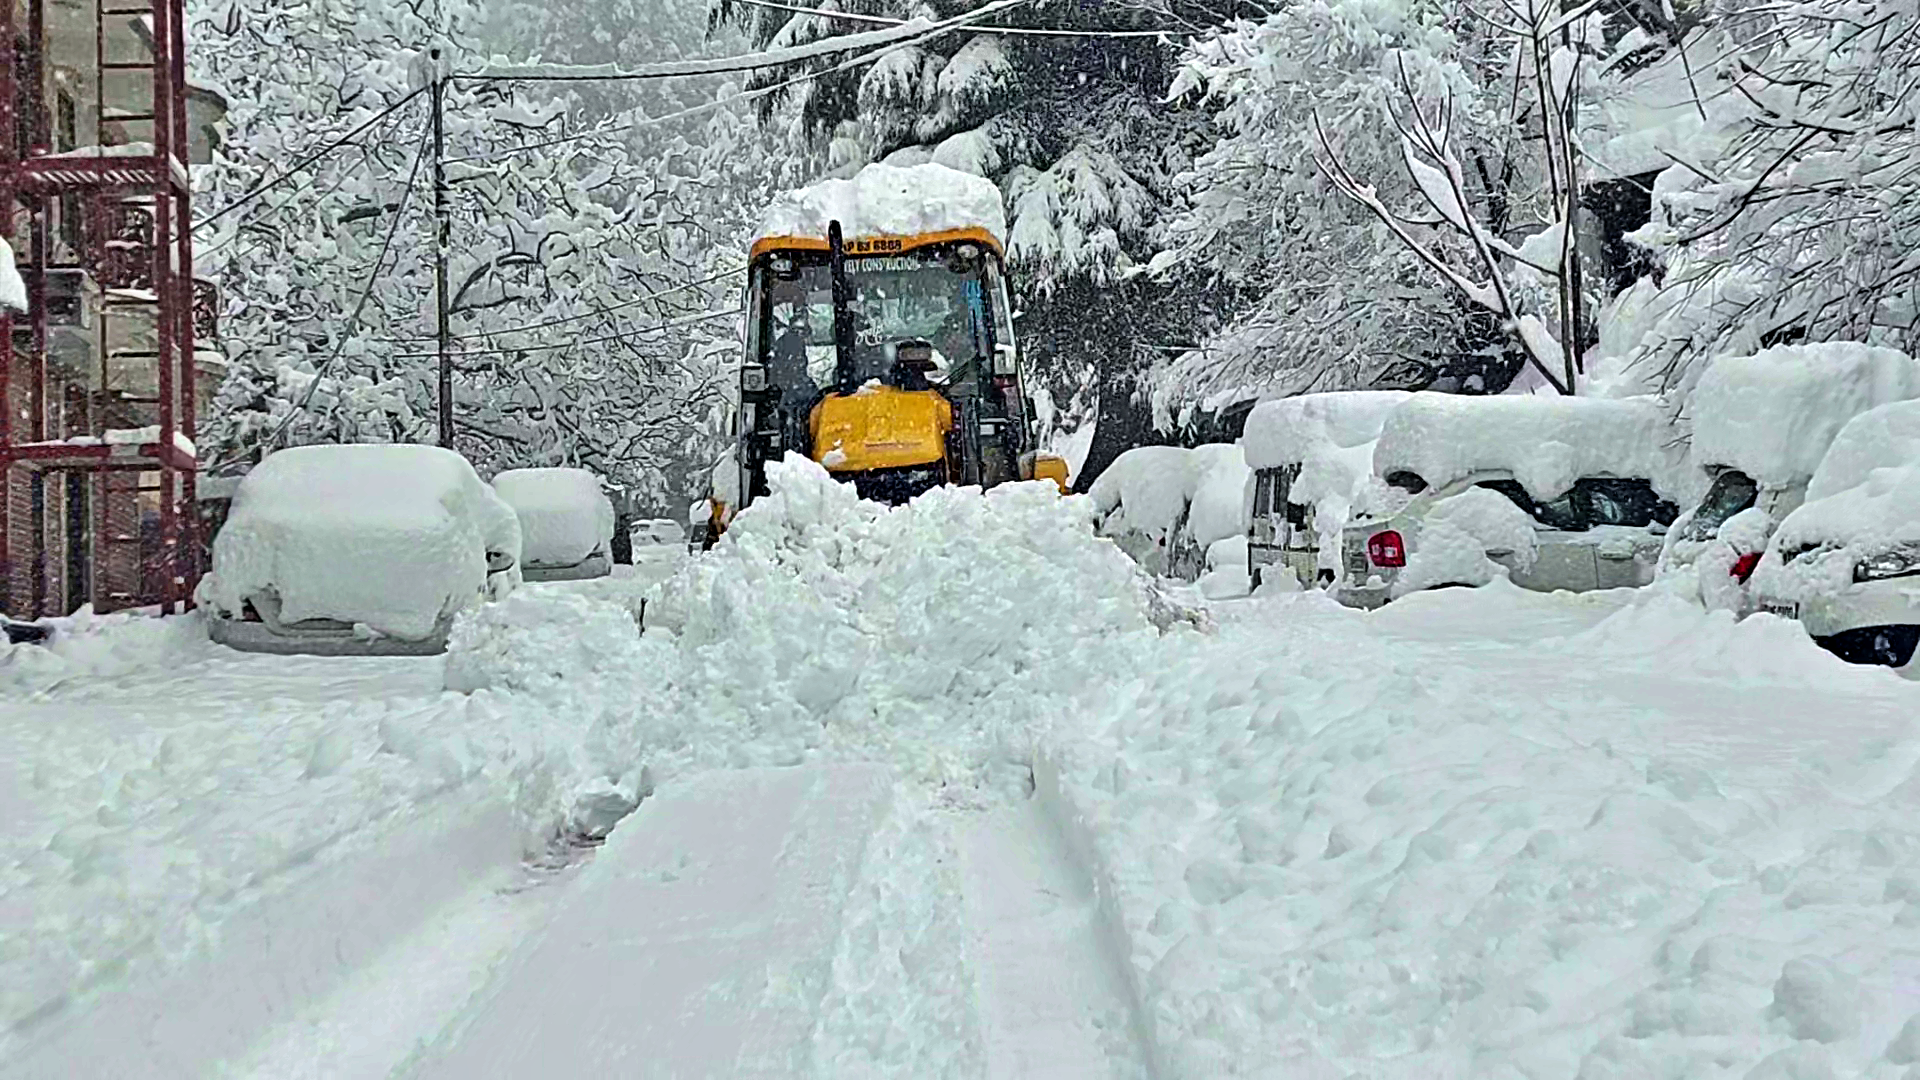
(880, 341)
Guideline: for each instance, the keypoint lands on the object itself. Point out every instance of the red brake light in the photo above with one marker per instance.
(1386, 549)
(1743, 566)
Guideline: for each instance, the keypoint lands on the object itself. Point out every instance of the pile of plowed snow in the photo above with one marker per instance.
(931, 636)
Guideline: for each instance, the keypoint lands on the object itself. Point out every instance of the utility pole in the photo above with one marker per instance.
(442, 231)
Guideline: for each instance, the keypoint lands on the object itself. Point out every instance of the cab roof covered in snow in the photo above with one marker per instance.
(886, 201)
(1545, 443)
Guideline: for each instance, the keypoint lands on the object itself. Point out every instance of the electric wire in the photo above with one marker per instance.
(273, 181)
(366, 294)
(1035, 31)
(564, 319)
(669, 324)
(861, 60)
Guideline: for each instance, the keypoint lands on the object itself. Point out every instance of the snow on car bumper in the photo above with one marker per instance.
(1888, 602)
(246, 635)
(1364, 597)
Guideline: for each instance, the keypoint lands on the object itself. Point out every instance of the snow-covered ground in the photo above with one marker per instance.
(1011, 813)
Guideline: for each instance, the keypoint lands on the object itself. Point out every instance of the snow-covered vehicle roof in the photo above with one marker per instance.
(1288, 431)
(1147, 488)
(564, 514)
(1545, 443)
(1866, 491)
(886, 201)
(391, 536)
(1772, 415)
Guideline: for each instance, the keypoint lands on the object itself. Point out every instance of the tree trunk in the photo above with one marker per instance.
(1121, 423)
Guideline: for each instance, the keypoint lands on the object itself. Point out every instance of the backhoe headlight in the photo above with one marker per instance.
(1888, 564)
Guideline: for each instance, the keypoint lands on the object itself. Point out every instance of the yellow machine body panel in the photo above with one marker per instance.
(1048, 467)
(880, 427)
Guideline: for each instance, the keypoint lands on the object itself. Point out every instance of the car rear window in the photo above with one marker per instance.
(1590, 502)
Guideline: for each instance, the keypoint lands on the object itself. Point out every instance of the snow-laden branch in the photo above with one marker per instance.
(909, 30)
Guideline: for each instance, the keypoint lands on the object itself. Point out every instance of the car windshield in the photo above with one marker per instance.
(1732, 492)
(1591, 502)
(919, 295)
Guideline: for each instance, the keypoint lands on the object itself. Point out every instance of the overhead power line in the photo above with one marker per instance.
(862, 60)
(1035, 31)
(897, 32)
(273, 181)
(688, 320)
(594, 314)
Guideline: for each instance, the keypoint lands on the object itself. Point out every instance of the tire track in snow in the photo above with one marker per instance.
(1053, 996)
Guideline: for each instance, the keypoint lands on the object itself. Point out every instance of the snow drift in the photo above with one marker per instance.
(392, 536)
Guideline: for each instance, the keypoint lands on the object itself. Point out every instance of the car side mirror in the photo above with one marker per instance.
(498, 561)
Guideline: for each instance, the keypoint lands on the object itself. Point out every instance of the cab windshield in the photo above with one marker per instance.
(935, 295)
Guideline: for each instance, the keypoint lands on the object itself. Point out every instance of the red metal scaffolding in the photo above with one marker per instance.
(118, 209)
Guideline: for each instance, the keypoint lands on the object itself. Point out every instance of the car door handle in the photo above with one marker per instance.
(1613, 557)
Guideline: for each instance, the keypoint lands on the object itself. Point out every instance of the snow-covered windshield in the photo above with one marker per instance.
(927, 295)
(1732, 492)
(1591, 502)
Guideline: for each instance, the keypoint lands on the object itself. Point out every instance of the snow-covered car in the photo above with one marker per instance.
(1554, 493)
(1167, 506)
(357, 550)
(1847, 562)
(1307, 454)
(1761, 426)
(566, 522)
(659, 531)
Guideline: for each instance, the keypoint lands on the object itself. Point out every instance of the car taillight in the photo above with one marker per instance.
(1743, 566)
(1386, 549)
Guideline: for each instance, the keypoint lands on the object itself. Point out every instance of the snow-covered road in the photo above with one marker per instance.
(1050, 829)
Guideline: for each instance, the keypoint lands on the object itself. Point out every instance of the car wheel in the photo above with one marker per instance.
(1886, 646)
(1254, 575)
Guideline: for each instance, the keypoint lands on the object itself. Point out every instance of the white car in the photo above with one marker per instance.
(1600, 533)
(1556, 493)
(1847, 562)
(357, 550)
(566, 522)
(1761, 426)
(659, 531)
(1308, 454)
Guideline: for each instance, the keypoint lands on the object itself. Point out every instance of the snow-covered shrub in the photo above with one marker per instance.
(395, 537)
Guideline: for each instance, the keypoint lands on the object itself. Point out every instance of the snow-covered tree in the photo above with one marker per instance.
(592, 289)
(1795, 215)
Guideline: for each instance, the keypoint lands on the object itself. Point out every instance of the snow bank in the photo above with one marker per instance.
(1456, 536)
(13, 290)
(1544, 443)
(564, 516)
(390, 536)
(1154, 499)
(1513, 867)
(888, 200)
(1772, 415)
